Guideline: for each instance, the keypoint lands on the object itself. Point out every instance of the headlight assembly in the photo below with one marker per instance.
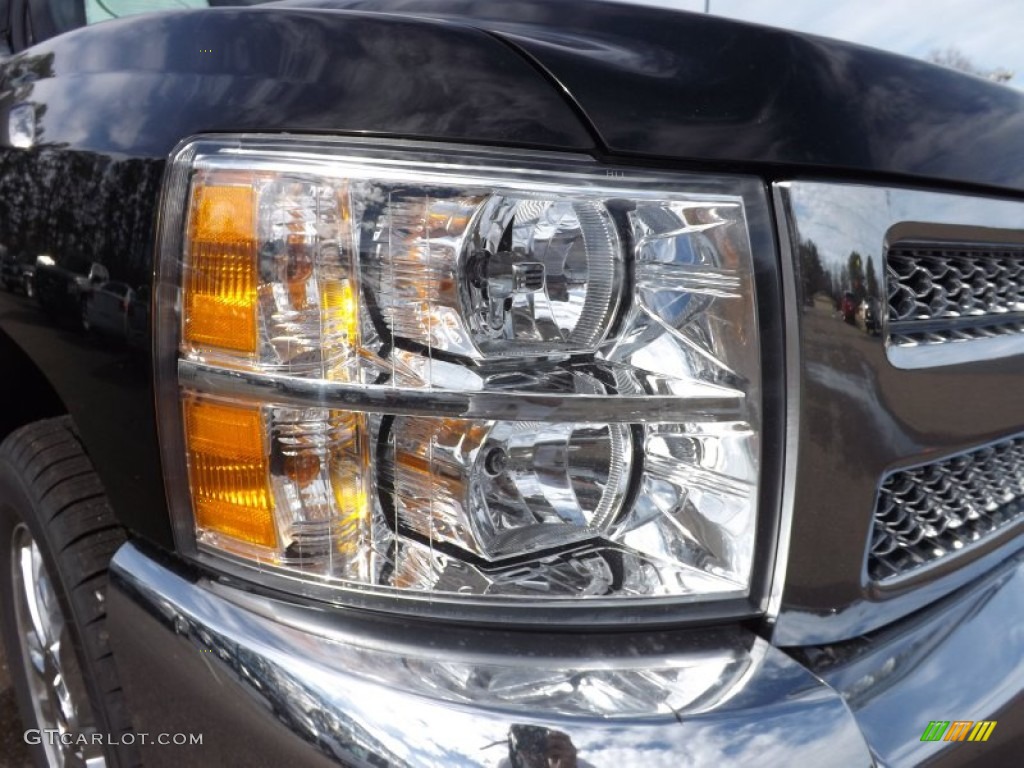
(459, 378)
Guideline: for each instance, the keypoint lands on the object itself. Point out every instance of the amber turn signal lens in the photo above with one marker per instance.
(221, 270)
(340, 311)
(227, 464)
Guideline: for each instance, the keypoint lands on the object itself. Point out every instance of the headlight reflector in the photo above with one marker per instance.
(541, 275)
(501, 489)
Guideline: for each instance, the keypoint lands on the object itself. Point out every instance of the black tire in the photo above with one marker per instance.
(49, 490)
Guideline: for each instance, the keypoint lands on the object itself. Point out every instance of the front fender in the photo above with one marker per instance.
(107, 105)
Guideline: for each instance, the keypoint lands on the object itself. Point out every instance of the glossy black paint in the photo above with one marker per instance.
(627, 83)
(140, 85)
(665, 84)
(110, 104)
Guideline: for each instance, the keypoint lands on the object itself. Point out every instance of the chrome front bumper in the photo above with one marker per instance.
(269, 683)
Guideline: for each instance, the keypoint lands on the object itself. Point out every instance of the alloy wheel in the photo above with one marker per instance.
(56, 685)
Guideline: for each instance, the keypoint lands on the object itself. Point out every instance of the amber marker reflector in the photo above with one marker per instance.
(349, 462)
(228, 471)
(341, 313)
(220, 269)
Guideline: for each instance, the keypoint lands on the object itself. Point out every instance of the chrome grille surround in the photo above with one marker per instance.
(934, 511)
(862, 407)
(966, 332)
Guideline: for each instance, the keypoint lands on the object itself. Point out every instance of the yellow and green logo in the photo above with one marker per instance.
(958, 730)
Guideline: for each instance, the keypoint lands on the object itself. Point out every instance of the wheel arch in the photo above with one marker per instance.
(26, 394)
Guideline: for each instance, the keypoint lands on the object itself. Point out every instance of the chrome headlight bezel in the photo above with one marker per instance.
(593, 611)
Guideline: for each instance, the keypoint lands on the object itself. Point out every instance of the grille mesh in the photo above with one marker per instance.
(928, 282)
(931, 512)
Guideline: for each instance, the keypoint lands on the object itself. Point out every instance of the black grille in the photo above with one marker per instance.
(936, 510)
(942, 292)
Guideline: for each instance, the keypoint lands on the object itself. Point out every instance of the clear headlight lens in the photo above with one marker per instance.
(460, 374)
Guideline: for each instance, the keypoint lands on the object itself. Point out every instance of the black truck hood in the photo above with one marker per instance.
(662, 83)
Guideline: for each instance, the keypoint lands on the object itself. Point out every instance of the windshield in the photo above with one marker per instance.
(105, 10)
